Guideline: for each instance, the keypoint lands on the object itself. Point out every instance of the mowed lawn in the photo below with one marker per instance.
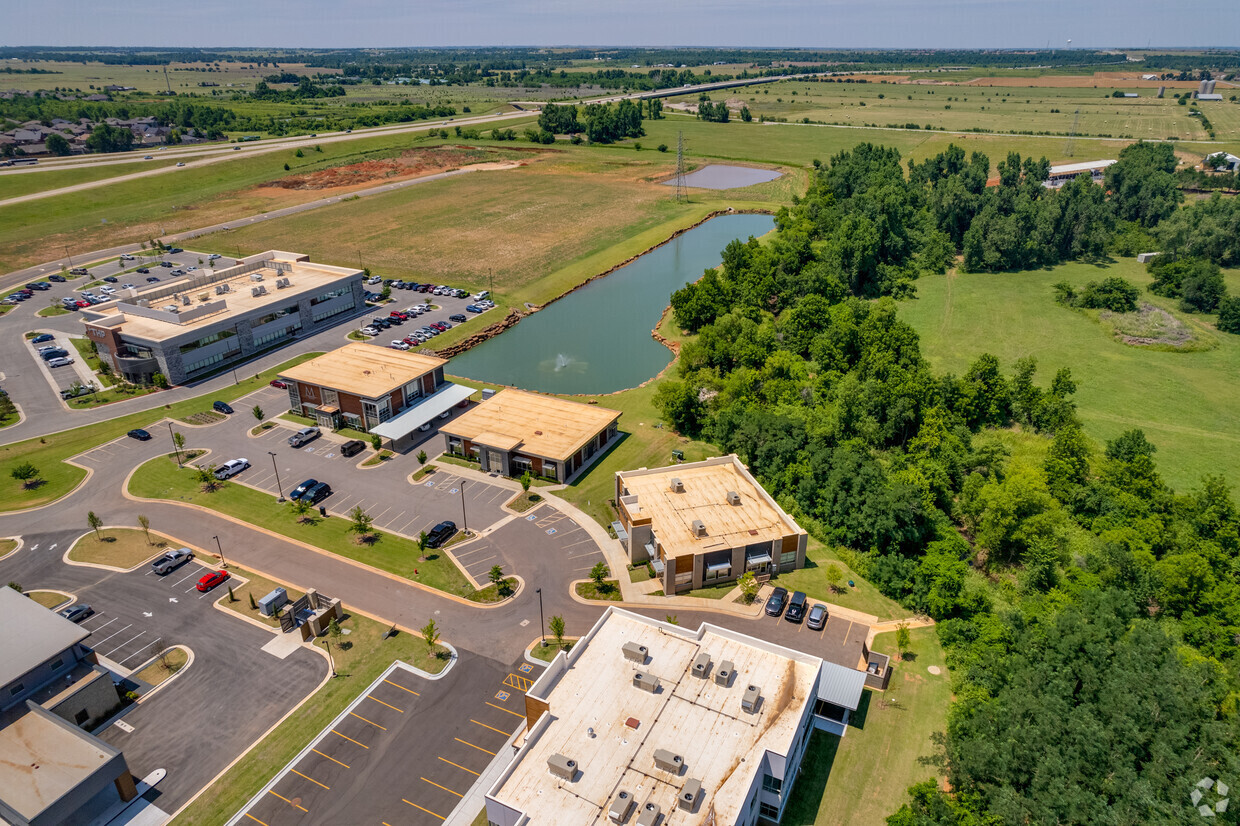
(861, 778)
(1186, 402)
(17, 183)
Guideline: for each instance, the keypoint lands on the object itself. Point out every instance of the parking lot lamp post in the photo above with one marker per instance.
(223, 562)
(542, 625)
(174, 444)
(464, 521)
(330, 659)
(279, 487)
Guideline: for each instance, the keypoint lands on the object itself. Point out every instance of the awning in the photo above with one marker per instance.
(718, 566)
(840, 686)
(428, 408)
(621, 533)
(760, 558)
(329, 409)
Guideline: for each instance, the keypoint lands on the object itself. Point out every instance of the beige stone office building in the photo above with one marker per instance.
(702, 523)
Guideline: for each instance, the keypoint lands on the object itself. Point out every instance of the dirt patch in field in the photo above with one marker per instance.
(1098, 79)
(411, 163)
(1149, 325)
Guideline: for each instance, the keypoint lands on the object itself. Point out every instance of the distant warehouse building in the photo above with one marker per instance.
(391, 393)
(704, 523)
(1063, 173)
(207, 320)
(515, 431)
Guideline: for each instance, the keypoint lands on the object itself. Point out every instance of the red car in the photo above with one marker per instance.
(209, 581)
(80, 304)
(279, 384)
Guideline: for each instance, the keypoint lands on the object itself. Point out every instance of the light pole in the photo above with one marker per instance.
(223, 562)
(542, 625)
(173, 436)
(327, 644)
(464, 521)
(279, 487)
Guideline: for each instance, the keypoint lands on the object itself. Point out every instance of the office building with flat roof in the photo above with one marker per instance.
(702, 523)
(392, 393)
(644, 722)
(516, 431)
(206, 320)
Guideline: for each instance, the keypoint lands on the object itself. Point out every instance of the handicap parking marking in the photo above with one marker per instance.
(455, 490)
(429, 484)
(502, 696)
(531, 517)
(550, 531)
(525, 668)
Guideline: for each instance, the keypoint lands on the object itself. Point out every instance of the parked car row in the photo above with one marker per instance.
(798, 609)
(312, 491)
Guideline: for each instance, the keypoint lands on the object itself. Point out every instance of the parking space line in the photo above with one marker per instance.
(109, 622)
(402, 688)
(350, 739)
(289, 802)
(459, 766)
(113, 634)
(428, 811)
(519, 683)
(484, 560)
(311, 779)
(501, 708)
(389, 705)
(492, 728)
(329, 757)
(125, 643)
(445, 788)
(372, 722)
(253, 818)
(472, 746)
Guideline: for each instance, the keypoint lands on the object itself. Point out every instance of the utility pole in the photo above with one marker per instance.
(464, 521)
(542, 624)
(166, 80)
(67, 255)
(223, 562)
(279, 487)
(1070, 146)
(174, 443)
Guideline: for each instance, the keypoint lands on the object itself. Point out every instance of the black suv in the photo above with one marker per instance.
(317, 493)
(301, 489)
(458, 318)
(776, 602)
(440, 534)
(352, 448)
(796, 607)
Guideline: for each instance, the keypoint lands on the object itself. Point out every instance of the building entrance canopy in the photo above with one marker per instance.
(424, 411)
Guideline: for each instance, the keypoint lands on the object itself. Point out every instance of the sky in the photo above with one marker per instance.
(937, 24)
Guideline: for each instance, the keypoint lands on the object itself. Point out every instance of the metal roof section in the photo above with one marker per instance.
(32, 635)
(424, 411)
(840, 686)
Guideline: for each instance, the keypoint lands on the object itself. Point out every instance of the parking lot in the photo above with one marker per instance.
(232, 682)
(544, 536)
(404, 753)
(61, 377)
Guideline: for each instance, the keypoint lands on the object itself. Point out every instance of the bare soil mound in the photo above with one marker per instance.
(1149, 325)
(410, 163)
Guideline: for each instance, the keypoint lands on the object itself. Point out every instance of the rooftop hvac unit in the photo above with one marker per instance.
(668, 761)
(699, 527)
(646, 682)
(734, 498)
(562, 767)
(280, 284)
(689, 794)
(487, 393)
(677, 485)
(751, 698)
(256, 276)
(254, 293)
(227, 288)
(701, 665)
(621, 805)
(649, 815)
(219, 289)
(172, 308)
(143, 302)
(723, 674)
(633, 651)
(185, 299)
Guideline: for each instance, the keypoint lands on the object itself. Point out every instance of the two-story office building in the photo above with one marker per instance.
(703, 523)
(206, 320)
(392, 393)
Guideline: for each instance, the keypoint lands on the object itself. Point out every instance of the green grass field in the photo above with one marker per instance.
(13, 184)
(118, 547)
(1185, 402)
(160, 478)
(859, 779)
(48, 453)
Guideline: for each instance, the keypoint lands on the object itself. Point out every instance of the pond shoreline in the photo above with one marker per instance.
(514, 316)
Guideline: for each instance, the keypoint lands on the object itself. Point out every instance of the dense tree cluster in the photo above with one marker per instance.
(306, 89)
(1196, 282)
(1101, 672)
(712, 112)
(1114, 294)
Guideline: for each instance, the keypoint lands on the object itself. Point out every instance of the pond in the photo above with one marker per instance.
(597, 339)
(721, 176)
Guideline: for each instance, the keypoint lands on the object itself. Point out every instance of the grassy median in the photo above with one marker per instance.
(117, 547)
(160, 478)
(48, 453)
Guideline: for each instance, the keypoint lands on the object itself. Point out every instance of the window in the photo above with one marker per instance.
(343, 308)
(331, 397)
(81, 717)
(58, 664)
(16, 689)
(195, 366)
(328, 296)
(549, 469)
(276, 335)
(270, 317)
(717, 574)
(787, 559)
(210, 338)
(771, 784)
(413, 390)
(769, 811)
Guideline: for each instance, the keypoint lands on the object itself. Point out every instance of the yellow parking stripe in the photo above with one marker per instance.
(445, 788)
(471, 745)
(501, 708)
(253, 818)
(459, 766)
(402, 688)
(289, 802)
(372, 722)
(519, 683)
(350, 739)
(492, 728)
(329, 757)
(428, 811)
(311, 779)
(389, 705)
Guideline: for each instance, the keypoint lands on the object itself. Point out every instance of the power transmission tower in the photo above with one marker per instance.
(1070, 146)
(166, 80)
(682, 193)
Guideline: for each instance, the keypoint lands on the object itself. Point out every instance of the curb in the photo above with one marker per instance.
(21, 543)
(189, 660)
(74, 563)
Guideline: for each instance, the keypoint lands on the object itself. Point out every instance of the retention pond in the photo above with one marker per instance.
(597, 339)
